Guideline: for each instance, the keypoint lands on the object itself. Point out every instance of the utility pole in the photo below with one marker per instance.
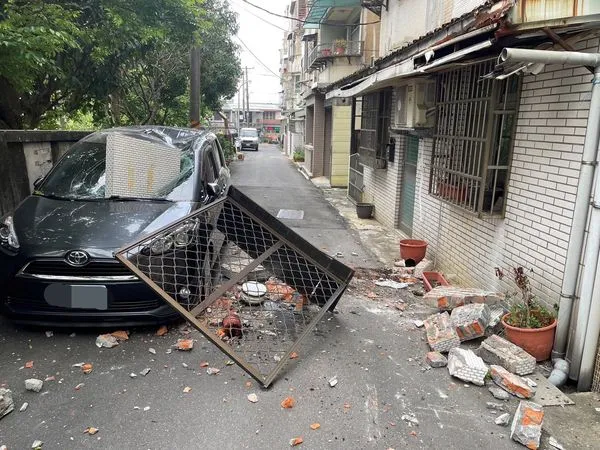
(238, 112)
(195, 88)
(247, 98)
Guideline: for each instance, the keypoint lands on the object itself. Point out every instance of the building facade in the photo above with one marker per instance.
(266, 117)
(481, 159)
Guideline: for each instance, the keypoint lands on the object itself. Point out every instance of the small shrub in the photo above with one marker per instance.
(526, 311)
(227, 146)
(299, 156)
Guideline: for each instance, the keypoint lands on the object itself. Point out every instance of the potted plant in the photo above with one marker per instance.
(340, 46)
(298, 155)
(528, 324)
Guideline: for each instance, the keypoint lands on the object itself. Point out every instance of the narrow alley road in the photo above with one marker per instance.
(371, 344)
(273, 181)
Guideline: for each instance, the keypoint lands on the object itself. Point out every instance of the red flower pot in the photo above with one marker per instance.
(413, 249)
(537, 342)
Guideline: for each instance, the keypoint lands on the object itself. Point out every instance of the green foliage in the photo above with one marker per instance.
(299, 156)
(526, 311)
(125, 61)
(227, 146)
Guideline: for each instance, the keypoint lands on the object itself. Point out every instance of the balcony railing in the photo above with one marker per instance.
(324, 52)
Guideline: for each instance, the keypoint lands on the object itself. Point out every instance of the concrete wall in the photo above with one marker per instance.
(26, 156)
(408, 20)
(543, 183)
(338, 69)
(340, 145)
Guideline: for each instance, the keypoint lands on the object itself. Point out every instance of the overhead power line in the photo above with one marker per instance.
(257, 58)
(306, 21)
(258, 17)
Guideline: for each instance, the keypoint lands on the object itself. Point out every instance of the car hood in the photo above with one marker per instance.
(50, 227)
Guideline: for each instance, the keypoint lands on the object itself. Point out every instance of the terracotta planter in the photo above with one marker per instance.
(433, 279)
(413, 249)
(340, 50)
(537, 342)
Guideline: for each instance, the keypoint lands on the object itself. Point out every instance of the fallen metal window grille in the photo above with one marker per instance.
(247, 282)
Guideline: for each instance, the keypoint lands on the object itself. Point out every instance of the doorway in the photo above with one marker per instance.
(409, 183)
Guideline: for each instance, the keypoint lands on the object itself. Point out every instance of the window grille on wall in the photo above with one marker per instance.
(473, 138)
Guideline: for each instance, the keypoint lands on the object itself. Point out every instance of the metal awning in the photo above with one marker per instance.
(319, 10)
(404, 69)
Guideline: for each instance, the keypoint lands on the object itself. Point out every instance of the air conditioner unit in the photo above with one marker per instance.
(414, 104)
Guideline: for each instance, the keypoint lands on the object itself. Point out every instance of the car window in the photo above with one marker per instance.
(210, 165)
(248, 133)
(219, 152)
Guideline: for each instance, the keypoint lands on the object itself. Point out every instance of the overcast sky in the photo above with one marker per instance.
(264, 41)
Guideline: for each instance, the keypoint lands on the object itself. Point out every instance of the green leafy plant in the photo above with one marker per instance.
(227, 146)
(524, 310)
(299, 156)
(340, 43)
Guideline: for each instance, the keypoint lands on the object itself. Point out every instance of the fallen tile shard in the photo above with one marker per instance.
(7, 404)
(187, 389)
(162, 331)
(184, 344)
(29, 365)
(151, 350)
(106, 340)
(121, 335)
(24, 407)
(333, 381)
(502, 419)
(315, 426)
(410, 419)
(526, 426)
(296, 441)
(510, 382)
(145, 372)
(91, 430)
(87, 368)
(212, 371)
(470, 321)
(37, 444)
(436, 359)
(288, 403)
(467, 366)
(252, 398)
(33, 384)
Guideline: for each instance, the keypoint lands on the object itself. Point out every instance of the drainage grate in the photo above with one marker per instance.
(243, 279)
(295, 214)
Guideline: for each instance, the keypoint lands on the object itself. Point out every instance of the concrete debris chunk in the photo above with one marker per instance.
(333, 381)
(499, 393)
(391, 284)
(145, 372)
(503, 419)
(7, 404)
(425, 265)
(499, 351)
(467, 366)
(441, 334)
(497, 312)
(436, 359)
(496, 406)
(449, 297)
(418, 323)
(24, 407)
(510, 382)
(106, 340)
(37, 444)
(33, 384)
(526, 426)
(471, 320)
(410, 419)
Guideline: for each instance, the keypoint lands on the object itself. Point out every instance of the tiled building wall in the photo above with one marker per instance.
(545, 171)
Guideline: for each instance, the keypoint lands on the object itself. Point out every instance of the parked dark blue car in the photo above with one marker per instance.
(109, 189)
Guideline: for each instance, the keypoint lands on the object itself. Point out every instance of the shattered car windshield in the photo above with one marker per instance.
(120, 165)
(248, 133)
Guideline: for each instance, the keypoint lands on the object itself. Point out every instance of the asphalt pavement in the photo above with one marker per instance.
(374, 349)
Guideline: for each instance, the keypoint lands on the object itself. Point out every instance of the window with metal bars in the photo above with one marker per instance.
(375, 115)
(473, 138)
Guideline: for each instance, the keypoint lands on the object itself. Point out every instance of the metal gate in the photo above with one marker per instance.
(409, 182)
(355, 178)
(243, 279)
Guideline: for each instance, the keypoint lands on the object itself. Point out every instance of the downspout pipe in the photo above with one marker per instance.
(584, 191)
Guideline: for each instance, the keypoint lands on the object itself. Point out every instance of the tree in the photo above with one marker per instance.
(125, 60)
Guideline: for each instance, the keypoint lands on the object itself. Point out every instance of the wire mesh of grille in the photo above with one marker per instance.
(244, 280)
(596, 378)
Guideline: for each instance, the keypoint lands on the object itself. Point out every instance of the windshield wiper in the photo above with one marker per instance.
(52, 196)
(137, 199)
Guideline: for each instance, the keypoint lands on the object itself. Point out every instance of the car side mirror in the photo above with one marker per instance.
(213, 188)
(38, 182)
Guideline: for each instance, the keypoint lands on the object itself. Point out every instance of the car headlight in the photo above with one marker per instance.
(180, 238)
(8, 236)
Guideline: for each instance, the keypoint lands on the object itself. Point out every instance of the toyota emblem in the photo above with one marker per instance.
(77, 258)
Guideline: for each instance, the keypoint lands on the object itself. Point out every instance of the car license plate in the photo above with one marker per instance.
(77, 296)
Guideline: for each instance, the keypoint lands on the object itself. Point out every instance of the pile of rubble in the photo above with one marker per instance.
(476, 314)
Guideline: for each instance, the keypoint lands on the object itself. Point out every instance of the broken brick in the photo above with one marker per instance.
(449, 297)
(441, 334)
(470, 321)
(526, 426)
(499, 351)
(467, 366)
(436, 359)
(510, 382)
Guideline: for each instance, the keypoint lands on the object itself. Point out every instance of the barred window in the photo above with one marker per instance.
(473, 138)
(375, 112)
